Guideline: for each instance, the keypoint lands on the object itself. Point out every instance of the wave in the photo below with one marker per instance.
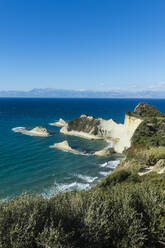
(22, 130)
(72, 186)
(110, 164)
(18, 129)
(105, 173)
(6, 199)
(51, 124)
(110, 144)
(114, 164)
(88, 179)
(61, 188)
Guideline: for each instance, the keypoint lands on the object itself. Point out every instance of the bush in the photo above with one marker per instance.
(123, 212)
(119, 176)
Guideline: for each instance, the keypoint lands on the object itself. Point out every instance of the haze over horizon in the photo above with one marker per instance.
(110, 45)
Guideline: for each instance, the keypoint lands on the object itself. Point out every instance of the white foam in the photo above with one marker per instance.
(104, 173)
(114, 164)
(72, 186)
(104, 164)
(64, 188)
(110, 144)
(23, 130)
(87, 178)
(110, 164)
(51, 124)
(6, 199)
(18, 129)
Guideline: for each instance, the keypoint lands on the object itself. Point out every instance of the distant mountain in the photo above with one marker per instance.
(55, 93)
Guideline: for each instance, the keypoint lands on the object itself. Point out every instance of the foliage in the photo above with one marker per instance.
(145, 156)
(146, 110)
(124, 210)
(151, 132)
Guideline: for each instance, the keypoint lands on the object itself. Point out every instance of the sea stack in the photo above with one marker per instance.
(39, 131)
(59, 123)
(64, 146)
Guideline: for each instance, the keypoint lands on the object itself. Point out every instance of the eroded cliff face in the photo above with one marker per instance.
(120, 134)
(92, 128)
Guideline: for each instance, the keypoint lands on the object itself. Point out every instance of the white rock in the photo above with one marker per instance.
(59, 123)
(104, 152)
(64, 130)
(39, 131)
(64, 146)
(120, 134)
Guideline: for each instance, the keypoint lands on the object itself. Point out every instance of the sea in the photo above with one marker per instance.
(29, 165)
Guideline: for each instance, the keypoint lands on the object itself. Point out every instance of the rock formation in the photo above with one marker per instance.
(39, 131)
(159, 167)
(92, 128)
(59, 123)
(105, 152)
(64, 146)
(146, 110)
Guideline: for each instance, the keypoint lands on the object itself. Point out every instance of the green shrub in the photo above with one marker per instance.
(120, 176)
(124, 211)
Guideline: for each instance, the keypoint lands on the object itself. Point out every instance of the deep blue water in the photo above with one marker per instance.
(27, 164)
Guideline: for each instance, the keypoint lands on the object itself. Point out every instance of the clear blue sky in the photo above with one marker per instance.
(82, 44)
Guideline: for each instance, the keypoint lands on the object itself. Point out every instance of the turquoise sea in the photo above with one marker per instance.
(28, 165)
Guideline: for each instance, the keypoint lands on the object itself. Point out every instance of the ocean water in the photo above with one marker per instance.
(28, 165)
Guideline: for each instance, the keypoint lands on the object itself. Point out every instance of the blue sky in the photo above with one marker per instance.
(82, 44)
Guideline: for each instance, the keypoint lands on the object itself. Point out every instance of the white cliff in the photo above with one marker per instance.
(120, 134)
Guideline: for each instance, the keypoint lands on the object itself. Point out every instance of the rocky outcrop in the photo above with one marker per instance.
(159, 167)
(87, 124)
(64, 146)
(146, 110)
(85, 127)
(105, 152)
(37, 131)
(151, 132)
(59, 123)
(145, 120)
(92, 128)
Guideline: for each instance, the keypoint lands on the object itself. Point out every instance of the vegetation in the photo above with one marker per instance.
(85, 124)
(151, 132)
(124, 210)
(145, 156)
(145, 110)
